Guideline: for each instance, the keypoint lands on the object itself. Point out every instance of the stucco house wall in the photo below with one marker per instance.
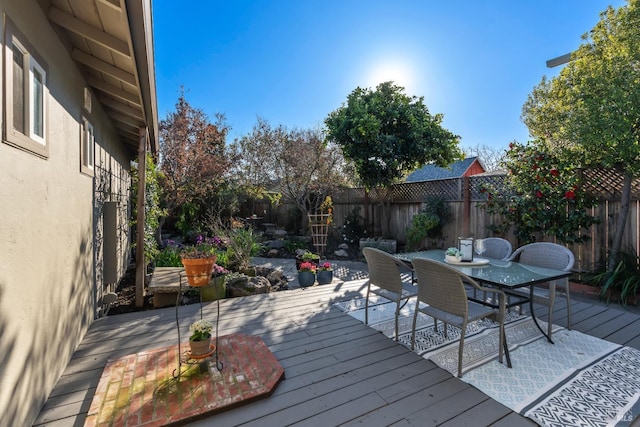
(51, 228)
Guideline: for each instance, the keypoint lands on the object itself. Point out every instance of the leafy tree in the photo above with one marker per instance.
(193, 156)
(543, 196)
(592, 109)
(297, 163)
(386, 134)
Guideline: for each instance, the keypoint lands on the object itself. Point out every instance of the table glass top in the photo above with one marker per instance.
(507, 274)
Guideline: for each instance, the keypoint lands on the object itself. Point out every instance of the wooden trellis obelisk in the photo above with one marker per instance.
(319, 224)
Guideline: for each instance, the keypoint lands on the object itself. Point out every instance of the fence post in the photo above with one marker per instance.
(466, 199)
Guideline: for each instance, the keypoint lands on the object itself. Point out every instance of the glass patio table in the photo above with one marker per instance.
(503, 275)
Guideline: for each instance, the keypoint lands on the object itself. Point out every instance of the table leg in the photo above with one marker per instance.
(505, 345)
(506, 350)
(533, 315)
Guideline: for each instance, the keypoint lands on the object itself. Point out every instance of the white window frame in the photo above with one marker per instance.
(87, 147)
(33, 65)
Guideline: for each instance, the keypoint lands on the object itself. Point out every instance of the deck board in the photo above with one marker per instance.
(337, 370)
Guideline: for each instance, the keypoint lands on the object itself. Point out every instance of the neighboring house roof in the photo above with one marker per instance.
(433, 172)
(112, 44)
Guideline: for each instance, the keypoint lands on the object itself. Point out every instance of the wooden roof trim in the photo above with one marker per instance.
(114, 90)
(83, 29)
(104, 67)
(119, 106)
(126, 119)
(114, 4)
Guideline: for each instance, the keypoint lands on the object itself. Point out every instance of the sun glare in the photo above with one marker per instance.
(394, 71)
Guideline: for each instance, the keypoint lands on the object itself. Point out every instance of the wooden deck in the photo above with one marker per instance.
(338, 371)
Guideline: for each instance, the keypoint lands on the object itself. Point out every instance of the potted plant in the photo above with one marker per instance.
(198, 261)
(325, 274)
(200, 339)
(218, 290)
(307, 256)
(306, 274)
(452, 255)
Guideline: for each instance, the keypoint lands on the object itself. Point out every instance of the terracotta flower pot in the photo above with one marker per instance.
(200, 348)
(198, 270)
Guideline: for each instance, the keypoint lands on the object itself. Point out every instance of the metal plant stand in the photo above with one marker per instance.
(185, 358)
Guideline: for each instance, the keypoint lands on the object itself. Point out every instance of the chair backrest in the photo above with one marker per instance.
(384, 269)
(497, 248)
(545, 254)
(441, 286)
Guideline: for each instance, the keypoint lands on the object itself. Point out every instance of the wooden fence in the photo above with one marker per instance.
(390, 212)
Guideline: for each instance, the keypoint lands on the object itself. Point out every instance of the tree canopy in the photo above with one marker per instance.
(543, 196)
(387, 134)
(193, 157)
(297, 163)
(592, 108)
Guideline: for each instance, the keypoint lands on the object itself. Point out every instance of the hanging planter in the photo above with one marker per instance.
(198, 270)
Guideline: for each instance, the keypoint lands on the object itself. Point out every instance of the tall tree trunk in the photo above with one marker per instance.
(625, 201)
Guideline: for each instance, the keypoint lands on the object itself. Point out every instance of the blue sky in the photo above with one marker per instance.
(293, 62)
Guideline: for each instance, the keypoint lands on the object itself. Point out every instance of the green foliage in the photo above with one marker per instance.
(168, 257)
(187, 218)
(543, 197)
(310, 256)
(386, 133)
(623, 283)
(421, 224)
(242, 243)
(428, 223)
(591, 108)
(438, 207)
(152, 209)
(353, 229)
(292, 245)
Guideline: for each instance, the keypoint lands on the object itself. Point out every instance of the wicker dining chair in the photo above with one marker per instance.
(442, 290)
(547, 255)
(496, 248)
(385, 280)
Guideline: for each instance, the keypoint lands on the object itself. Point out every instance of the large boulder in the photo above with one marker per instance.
(241, 286)
(265, 280)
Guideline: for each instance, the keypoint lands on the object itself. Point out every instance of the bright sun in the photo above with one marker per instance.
(394, 71)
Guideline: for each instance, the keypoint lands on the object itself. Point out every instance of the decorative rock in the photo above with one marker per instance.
(341, 253)
(275, 244)
(344, 246)
(273, 253)
(300, 252)
(244, 285)
(280, 233)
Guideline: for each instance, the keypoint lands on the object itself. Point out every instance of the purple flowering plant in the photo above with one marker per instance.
(205, 247)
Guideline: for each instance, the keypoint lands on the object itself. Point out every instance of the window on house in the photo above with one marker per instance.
(87, 147)
(25, 124)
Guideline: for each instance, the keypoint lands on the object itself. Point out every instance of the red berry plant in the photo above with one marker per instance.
(543, 198)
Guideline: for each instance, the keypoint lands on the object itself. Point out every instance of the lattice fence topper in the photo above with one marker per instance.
(319, 224)
(600, 183)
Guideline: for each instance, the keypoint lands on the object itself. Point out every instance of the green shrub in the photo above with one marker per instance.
(168, 257)
(421, 224)
(292, 245)
(353, 229)
(623, 283)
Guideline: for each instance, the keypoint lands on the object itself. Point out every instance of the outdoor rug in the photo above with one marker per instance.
(579, 380)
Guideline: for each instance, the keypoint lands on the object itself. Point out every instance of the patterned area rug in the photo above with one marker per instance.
(579, 380)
